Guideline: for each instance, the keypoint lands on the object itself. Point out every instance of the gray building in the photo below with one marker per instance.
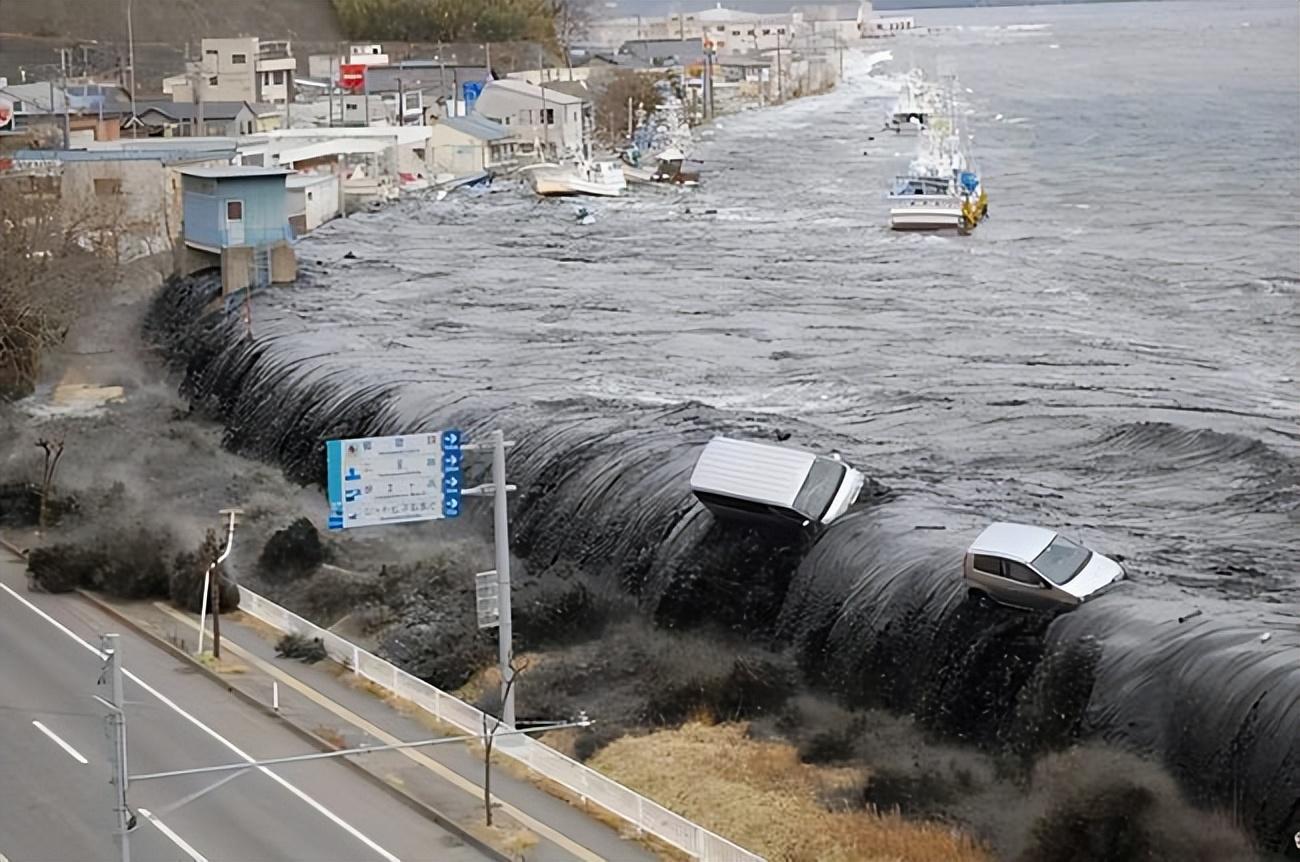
(216, 119)
(543, 122)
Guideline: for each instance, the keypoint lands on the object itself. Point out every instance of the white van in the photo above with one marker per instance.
(747, 480)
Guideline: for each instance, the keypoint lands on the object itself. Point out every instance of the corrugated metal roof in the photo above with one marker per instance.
(477, 127)
(751, 470)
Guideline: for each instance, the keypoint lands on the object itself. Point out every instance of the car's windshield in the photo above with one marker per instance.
(818, 491)
(1061, 561)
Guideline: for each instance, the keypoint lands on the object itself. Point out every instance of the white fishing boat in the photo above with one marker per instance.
(942, 190)
(578, 177)
(914, 108)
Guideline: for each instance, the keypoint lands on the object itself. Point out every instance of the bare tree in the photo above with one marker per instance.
(53, 452)
(491, 724)
(572, 18)
(610, 108)
(58, 258)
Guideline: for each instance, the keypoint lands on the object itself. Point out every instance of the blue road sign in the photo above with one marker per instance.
(393, 480)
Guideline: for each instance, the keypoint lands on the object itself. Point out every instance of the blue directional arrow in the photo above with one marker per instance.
(450, 461)
(451, 440)
(451, 482)
(451, 506)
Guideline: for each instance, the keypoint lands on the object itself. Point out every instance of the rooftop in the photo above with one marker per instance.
(189, 110)
(523, 88)
(234, 172)
(1015, 541)
(476, 126)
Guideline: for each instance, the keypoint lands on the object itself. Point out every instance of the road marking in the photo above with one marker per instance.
(330, 815)
(76, 755)
(172, 836)
(449, 775)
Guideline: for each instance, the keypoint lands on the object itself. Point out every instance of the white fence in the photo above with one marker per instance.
(642, 813)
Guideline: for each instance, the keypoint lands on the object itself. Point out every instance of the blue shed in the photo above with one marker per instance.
(234, 206)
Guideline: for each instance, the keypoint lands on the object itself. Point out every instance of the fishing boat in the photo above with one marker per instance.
(942, 190)
(914, 107)
(578, 177)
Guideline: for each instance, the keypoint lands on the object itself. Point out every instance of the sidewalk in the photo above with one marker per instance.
(529, 824)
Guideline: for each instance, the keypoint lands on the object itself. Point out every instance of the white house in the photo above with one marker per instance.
(243, 69)
(461, 146)
(313, 199)
(545, 122)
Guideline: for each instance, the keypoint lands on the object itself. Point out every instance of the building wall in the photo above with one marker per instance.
(523, 116)
(317, 202)
(455, 152)
(226, 80)
(264, 199)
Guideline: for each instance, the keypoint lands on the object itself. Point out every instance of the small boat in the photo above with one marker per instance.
(938, 203)
(673, 169)
(913, 110)
(579, 177)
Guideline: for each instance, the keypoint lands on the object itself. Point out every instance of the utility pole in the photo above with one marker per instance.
(212, 589)
(110, 645)
(401, 104)
(501, 541)
(130, 48)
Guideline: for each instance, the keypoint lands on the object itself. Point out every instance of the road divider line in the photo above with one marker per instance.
(180, 842)
(76, 755)
(325, 812)
(452, 777)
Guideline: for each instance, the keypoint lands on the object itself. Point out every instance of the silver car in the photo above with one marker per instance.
(1032, 567)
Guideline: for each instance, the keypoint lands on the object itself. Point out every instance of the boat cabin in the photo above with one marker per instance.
(921, 187)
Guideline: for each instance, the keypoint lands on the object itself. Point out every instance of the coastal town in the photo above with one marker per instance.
(347, 131)
(580, 430)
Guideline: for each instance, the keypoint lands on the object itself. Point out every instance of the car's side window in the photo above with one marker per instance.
(989, 565)
(1022, 574)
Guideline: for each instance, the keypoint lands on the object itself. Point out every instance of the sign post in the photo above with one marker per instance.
(372, 481)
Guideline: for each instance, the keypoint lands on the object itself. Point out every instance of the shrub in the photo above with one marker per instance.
(186, 581)
(292, 552)
(305, 649)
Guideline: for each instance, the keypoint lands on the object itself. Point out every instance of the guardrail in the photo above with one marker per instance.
(642, 813)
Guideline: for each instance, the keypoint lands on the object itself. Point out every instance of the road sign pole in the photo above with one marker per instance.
(117, 744)
(501, 539)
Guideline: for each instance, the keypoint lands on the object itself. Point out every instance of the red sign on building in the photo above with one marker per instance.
(352, 76)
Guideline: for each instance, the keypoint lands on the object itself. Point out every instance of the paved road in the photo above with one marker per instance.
(54, 807)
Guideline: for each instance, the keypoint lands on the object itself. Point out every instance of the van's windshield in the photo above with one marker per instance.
(818, 491)
(1061, 561)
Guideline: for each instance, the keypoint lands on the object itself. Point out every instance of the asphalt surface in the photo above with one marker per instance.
(55, 808)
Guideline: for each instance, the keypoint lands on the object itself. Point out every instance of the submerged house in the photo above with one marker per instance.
(236, 217)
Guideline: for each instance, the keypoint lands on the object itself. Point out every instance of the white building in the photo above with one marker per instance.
(462, 146)
(243, 69)
(313, 199)
(542, 121)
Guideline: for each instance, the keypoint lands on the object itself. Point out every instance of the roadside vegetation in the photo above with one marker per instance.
(449, 20)
(619, 92)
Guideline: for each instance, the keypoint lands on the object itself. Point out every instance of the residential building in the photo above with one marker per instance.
(237, 216)
(543, 121)
(461, 146)
(243, 69)
(94, 112)
(215, 119)
(665, 52)
(313, 199)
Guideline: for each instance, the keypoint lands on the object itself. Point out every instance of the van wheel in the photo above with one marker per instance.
(977, 598)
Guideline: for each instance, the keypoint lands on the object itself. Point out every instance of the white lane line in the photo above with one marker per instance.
(172, 836)
(330, 815)
(76, 755)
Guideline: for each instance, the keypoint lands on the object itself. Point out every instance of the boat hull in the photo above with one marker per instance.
(961, 215)
(560, 183)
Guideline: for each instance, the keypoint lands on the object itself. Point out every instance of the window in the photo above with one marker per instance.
(548, 117)
(818, 491)
(720, 28)
(210, 52)
(1022, 574)
(767, 31)
(735, 32)
(1062, 560)
(212, 82)
(309, 197)
(780, 30)
(279, 76)
(238, 59)
(234, 210)
(988, 565)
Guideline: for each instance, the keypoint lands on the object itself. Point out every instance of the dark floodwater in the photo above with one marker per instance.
(1114, 352)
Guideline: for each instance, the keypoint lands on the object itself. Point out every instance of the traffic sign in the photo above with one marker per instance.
(393, 480)
(487, 599)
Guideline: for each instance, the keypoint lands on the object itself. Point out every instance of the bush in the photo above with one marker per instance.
(128, 564)
(1108, 806)
(292, 552)
(305, 649)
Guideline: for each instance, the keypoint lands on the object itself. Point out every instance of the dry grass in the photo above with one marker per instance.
(760, 795)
